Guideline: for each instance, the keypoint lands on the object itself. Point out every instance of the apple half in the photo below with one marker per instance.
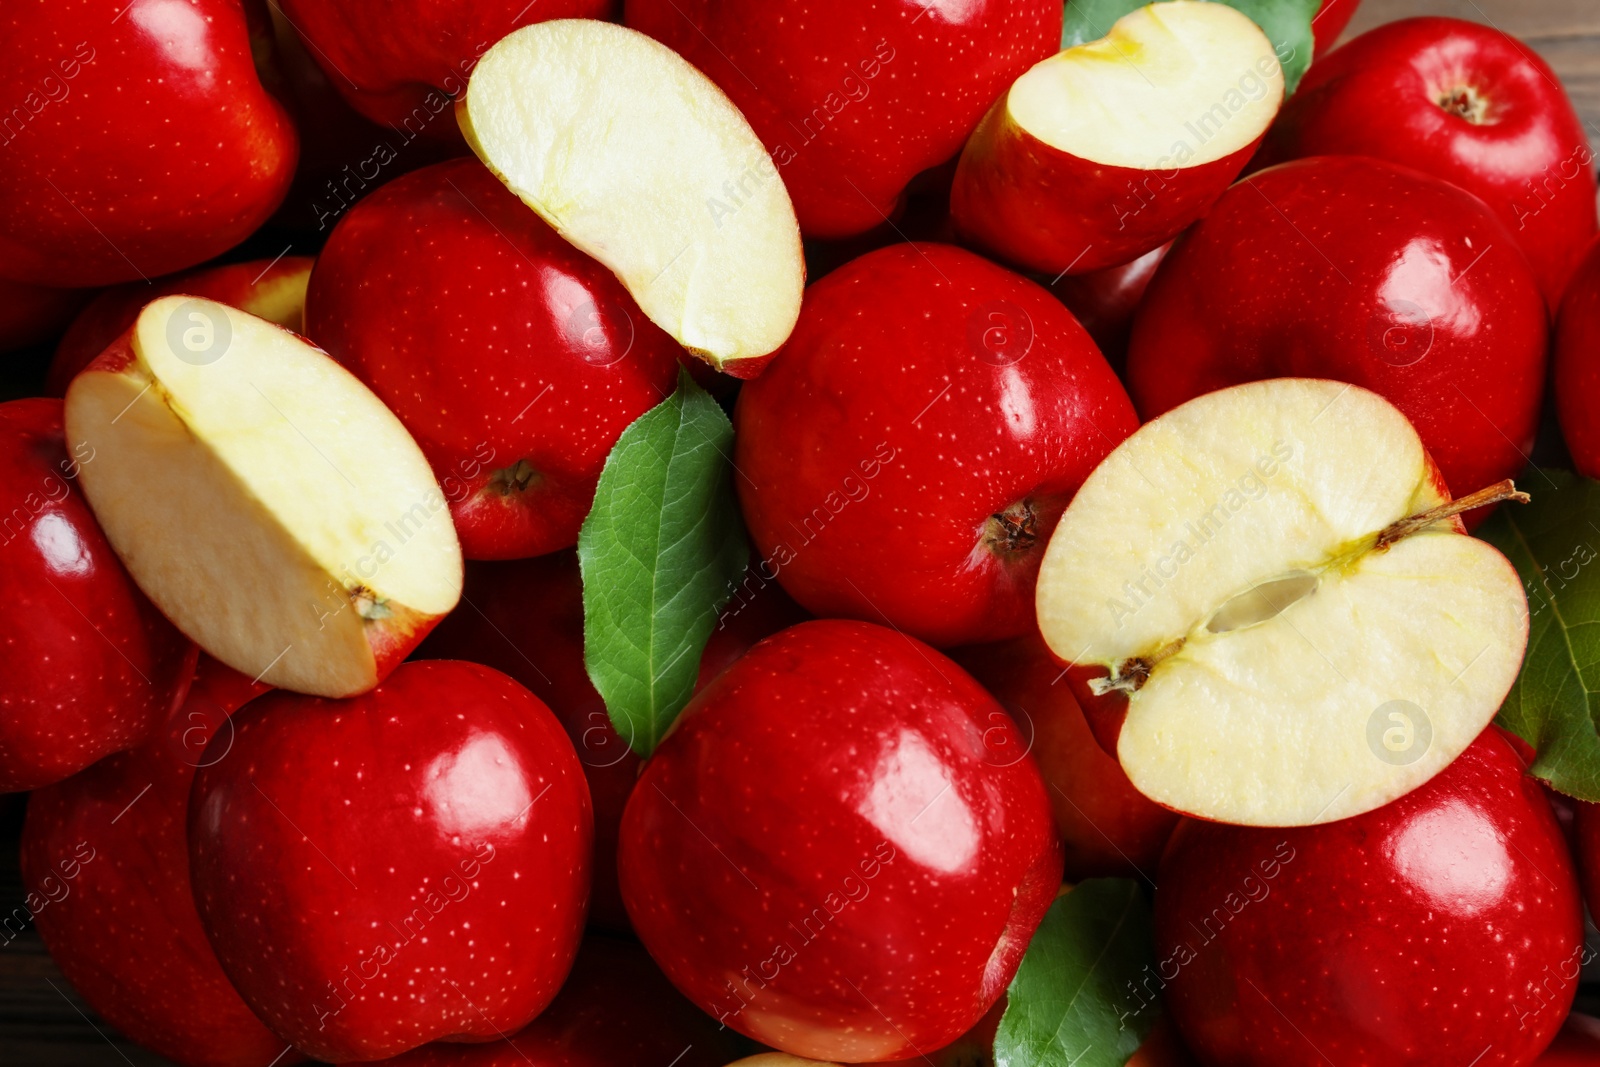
(1108, 150)
(1272, 614)
(639, 160)
(263, 498)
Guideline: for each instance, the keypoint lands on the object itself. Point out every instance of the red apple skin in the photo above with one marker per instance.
(1104, 301)
(1330, 21)
(834, 853)
(853, 101)
(1576, 377)
(274, 290)
(525, 619)
(88, 666)
(1360, 271)
(33, 314)
(127, 935)
(1393, 93)
(400, 62)
(1577, 1045)
(1108, 828)
(149, 144)
(616, 1010)
(496, 343)
(405, 866)
(906, 458)
(1444, 926)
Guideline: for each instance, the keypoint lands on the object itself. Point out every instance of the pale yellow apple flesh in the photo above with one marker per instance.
(642, 162)
(263, 498)
(1281, 665)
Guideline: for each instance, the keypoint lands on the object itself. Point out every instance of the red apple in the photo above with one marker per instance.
(406, 866)
(1577, 1044)
(1576, 376)
(616, 1010)
(139, 139)
(514, 359)
(1108, 828)
(1365, 272)
(1445, 927)
(853, 101)
(1330, 20)
(525, 618)
(834, 852)
(88, 666)
(908, 455)
(274, 290)
(33, 314)
(402, 64)
(1090, 160)
(127, 935)
(1104, 301)
(1463, 102)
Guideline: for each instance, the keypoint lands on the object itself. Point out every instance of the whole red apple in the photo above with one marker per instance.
(33, 314)
(907, 456)
(274, 290)
(1577, 1045)
(525, 618)
(1330, 20)
(406, 866)
(853, 101)
(403, 63)
(616, 1010)
(835, 852)
(1464, 102)
(127, 935)
(1108, 828)
(1576, 375)
(1444, 927)
(515, 360)
(139, 139)
(1359, 271)
(88, 666)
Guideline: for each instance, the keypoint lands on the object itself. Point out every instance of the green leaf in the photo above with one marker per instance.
(1287, 24)
(1073, 999)
(1554, 543)
(660, 552)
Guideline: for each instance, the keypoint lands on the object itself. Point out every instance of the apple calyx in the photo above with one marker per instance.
(1465, 102)
(513, 479)
(1013, 531)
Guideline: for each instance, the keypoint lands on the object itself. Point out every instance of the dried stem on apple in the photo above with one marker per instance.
(1494, 494)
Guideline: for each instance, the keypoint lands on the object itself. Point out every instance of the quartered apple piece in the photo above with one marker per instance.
(263, 498)
(641, 161)
(1273, 616)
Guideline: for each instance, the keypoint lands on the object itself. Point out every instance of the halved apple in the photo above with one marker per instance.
(1273, 615)
(1107, 150)
(263, 498)
(642, 162)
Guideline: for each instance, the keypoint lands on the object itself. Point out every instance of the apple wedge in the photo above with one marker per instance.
(1271, 611)
(1107, 150)
(639, 160)
(263, 498)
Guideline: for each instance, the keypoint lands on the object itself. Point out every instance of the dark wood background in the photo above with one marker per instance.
(44, 1024)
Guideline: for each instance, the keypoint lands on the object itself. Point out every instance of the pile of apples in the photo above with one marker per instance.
(498, 612)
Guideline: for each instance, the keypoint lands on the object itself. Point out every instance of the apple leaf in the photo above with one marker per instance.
(1554, 542)
(1073, 1000)
(1287, 24)
(660, 552)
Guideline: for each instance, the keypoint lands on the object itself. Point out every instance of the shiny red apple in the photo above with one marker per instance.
(515, 360)
(1464, 102)
(1330, 20)
(906, 457)
(406, 866)
(126, 934)
(1445, 927)
(1360, 271)
(88, 666)
(1104, 301)
(1576, 374)
(138, 140)
(835, 852)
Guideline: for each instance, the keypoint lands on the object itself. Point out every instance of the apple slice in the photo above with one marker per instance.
(1272, 613)
(642, 162)
(1107, 150)
(263, 498)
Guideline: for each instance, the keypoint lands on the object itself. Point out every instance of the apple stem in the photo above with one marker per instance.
(1403, 528)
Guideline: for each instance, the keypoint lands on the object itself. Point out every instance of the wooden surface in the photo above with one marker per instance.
(42, 1022)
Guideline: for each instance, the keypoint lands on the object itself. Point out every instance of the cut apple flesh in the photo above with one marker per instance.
(1290, 649)
(263, 498)
(640, 161)
(1172, 85)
